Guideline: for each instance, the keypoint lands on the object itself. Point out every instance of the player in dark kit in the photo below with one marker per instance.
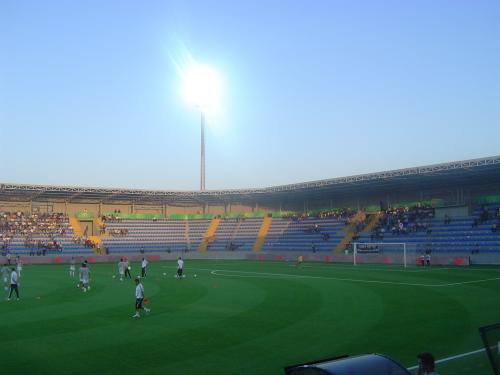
(127, 269)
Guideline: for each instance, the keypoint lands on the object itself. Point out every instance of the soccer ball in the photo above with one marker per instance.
(84, 290)
(194, 275)
(164, 274)
(114, 276)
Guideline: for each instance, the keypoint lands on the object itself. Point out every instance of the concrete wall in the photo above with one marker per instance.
(215, 209)
(123, 208)
(450, 260)
(15, 206)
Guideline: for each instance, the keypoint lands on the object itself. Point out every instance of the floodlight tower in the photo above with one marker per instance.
(202, 88)
(202, 161)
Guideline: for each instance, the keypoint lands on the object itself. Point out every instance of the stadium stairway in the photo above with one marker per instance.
(75, 225)
(261, 235)
(186, 234)
(209, 234)
(349, 232)
(374, 218)
(98, 223)
(98, 242)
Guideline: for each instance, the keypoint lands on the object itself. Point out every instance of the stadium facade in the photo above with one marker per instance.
(455, 184)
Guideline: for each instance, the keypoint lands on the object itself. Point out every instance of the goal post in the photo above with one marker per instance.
(384, 253)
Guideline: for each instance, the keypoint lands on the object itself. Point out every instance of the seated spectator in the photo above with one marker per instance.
(484, 216)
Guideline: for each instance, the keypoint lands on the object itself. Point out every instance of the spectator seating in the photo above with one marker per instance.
(17, 245)
(465, 234)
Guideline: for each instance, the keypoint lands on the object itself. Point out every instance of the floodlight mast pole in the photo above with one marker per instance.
(202, 162)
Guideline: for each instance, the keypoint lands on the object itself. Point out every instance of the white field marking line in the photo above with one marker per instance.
(251, 274)
(392, 267)
(388, 269)
(342, 266)
(452, 358)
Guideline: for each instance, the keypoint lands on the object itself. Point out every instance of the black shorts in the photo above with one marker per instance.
(179, 271)
(138, 303)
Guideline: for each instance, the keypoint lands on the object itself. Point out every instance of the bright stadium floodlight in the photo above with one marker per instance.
(202, 88)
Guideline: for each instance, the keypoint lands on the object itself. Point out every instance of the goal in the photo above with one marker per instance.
(384, 253)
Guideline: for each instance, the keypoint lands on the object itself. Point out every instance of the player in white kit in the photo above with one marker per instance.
(180, 267)
(19, 266)
(5, 277)
(121, 268)
(13, 284)
(72, 267)
(84, 277)
(144, 264)
(139, 299)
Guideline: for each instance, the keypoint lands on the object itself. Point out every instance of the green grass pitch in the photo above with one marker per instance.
(245, 317)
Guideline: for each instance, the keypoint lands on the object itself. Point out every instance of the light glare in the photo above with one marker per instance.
(202, 87)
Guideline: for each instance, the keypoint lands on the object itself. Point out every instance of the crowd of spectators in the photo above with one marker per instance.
(400, 221)
(30, 228)
(486, 215)
(118, 232)
(114, 216)
(342, 214)
(89, 243)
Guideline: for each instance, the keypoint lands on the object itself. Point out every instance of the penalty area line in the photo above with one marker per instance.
(252, 274)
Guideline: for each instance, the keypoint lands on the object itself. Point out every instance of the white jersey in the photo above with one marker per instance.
(84, 274)
(13, 278)
(5, 274)
(139, 291)
(19, 265)
(72, 265)
(180, 264)
(121, 267)
(144, 263)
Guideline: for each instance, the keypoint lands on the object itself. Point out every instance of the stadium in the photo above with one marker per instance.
(265, 187)
(243, 244)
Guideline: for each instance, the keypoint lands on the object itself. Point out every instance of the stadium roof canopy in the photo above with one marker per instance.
(460, 173)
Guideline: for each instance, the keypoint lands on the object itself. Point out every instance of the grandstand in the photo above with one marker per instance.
(320, 216)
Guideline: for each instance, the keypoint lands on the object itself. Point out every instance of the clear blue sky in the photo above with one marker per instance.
(314, 89)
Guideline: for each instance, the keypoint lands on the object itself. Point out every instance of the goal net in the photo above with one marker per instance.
(396, 253)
